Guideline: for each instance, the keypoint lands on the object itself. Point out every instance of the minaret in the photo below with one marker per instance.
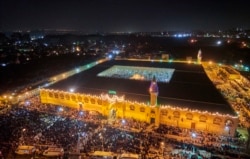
(199, 56)
(153, 90)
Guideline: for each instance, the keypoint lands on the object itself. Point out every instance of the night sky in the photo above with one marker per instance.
(124, 15)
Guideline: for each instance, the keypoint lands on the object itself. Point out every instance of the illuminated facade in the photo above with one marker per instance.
(163, 114)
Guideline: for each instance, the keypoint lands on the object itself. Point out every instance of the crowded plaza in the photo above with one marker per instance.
(81, 133)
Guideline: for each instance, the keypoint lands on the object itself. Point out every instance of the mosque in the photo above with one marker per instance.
(156, 92)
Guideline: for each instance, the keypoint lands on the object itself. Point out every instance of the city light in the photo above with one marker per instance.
(110, 56)
(218, 42)
(46, 85)
(246, 68)
(77, 70)
(3, 64)
(78, 49)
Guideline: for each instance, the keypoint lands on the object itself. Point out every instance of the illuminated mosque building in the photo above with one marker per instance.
(118, 89)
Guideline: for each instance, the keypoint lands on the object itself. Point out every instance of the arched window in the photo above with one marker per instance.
(73, 97)
(56, 95)
(203, 118)
(164, 112)
(152, 111)
(86, 100)
(92, 100)
(142, 109)
(99, 101)
(50, 94)
(67, 96)
(79, 98)
(132, 107)
(217, 121)
(61, 95)
(176, 114)
(189, 116)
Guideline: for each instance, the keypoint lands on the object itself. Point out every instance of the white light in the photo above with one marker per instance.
(60, 109)
(193, 135)
(218, 42)
(77, 70)
(179, 35)
(3, 64)
(71, 90)
(123, 121)
(27, 103)
(81, 113)
(110, 56)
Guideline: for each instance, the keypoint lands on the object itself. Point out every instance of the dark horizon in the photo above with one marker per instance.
(123, 15)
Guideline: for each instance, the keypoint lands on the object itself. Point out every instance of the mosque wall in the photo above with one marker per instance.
(166, 115)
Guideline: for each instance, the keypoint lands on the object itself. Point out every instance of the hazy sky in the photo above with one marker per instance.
(124, 15)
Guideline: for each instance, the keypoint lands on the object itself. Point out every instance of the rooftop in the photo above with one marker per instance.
(189, 86)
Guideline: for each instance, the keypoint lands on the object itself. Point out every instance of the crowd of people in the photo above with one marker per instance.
(213, 143)
(236, 91)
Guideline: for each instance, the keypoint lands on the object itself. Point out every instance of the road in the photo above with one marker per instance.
(51, 80)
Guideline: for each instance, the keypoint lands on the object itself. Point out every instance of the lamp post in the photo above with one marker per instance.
(162, 148)
(22, 135)
(101, 137)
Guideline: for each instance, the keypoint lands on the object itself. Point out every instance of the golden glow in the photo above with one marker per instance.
(78, 48)
(125, 109)
(122, 99)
